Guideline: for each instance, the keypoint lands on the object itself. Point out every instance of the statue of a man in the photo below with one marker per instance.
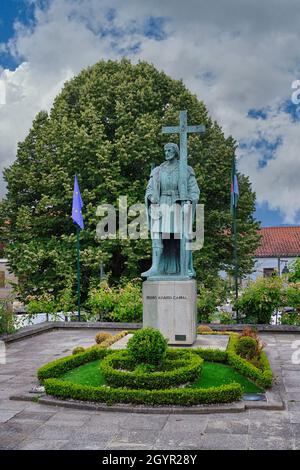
(165, 214)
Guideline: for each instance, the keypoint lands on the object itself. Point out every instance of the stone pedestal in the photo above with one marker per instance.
(171, 307)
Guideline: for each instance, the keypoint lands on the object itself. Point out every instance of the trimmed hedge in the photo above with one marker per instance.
(181, 367)
(175, 396)
(246, 347)
(214, 332)
(263, 378)
(61, 366)
(78, 349)
(211, 355)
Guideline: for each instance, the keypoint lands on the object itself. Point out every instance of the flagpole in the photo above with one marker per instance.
(235, 254)
(77, 205)
(78, 270)
(235, 257)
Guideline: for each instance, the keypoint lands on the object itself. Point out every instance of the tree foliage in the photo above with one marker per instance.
(105, 125)
(294, 275)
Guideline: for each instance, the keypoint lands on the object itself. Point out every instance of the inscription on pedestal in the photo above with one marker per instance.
(170, 306)
(166, 297)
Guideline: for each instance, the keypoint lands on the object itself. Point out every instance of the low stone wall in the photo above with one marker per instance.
(48, 326)
(262, 328)
(55, 325)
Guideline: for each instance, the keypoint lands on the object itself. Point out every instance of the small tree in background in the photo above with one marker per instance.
(294, 275)
(7, 323)
(260, 300)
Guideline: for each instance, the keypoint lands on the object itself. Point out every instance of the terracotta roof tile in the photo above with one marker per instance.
(278, 242)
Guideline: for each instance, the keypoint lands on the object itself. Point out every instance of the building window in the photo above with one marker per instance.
(2, 279)
(268, 272)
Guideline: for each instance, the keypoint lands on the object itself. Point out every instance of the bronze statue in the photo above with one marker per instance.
(166, 213)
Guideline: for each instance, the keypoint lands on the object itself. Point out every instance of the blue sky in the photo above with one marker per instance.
(248, 93)
(10, 12)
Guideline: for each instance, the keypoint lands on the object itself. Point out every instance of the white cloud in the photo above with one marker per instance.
(236, 55)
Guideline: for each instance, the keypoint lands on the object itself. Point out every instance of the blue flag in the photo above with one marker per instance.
(234, 188)
(77, 205)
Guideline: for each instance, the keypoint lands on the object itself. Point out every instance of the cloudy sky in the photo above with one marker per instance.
(240, 57)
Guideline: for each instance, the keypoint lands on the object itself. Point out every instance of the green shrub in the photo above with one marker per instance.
(66, 301)
(246, 347)
(180, 367)
(129, 305)
(78, 349)
(259, 301)
(291, 297)
(102, 336)
(204, 329)
(147, 345)
(249, 332)
(112, 339)
(7, 325)
(120, 304)
(173, 396)
(102, 301)
(294, 274)
(226, 318)
(44, 303)
(262, 377)
(251, 336)
(209, 298)
(291, 318)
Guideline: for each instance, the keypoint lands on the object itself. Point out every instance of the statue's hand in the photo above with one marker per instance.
(187, 207)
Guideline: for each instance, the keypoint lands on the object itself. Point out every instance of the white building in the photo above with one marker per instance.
(279, 247)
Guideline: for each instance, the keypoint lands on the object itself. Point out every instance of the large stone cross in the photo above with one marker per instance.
(183, 130)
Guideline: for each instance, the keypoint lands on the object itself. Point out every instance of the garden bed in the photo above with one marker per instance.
(213, 374)
(225, 378)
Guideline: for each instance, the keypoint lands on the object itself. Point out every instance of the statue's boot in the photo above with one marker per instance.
(154, 270)
(191, 271)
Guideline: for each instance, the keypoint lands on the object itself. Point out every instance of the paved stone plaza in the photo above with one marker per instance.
(26, 425)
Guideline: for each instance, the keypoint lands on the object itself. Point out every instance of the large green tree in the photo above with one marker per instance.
(105, 125)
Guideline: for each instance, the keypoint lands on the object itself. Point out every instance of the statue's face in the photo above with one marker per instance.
(170, 152)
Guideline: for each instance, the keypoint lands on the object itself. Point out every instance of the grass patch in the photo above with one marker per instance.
(213, 375)
(87, 374)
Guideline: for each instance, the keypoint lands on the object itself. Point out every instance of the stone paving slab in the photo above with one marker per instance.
(202, 341)
(121, 343)
(41, 444)
(27, 425)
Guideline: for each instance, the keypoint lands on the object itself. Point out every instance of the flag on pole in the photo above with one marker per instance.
(77, 205)
(234, 188)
